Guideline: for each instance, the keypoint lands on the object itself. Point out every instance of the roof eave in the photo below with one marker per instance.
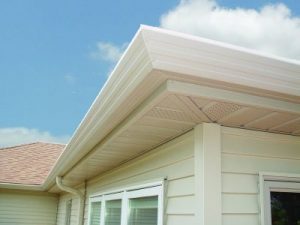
(188, 57)
(131, 70)
(26, 187)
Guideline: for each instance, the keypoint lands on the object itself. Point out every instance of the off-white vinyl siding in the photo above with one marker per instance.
(244, 155)
(62, 209)
(27, 208)
(174, 160)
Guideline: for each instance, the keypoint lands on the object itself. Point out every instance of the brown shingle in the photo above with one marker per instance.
(28, 163)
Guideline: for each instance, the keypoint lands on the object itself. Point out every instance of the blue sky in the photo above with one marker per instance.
(54, 60)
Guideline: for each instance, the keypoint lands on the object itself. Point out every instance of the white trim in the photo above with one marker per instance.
(199, 192)
(114, 196)
(270, 176)
(160, 210)
(145, 192)
(208, 189)
(125, 209)
(279, 182)
(96, 199)
(283, 186)
(102, 212)
(146, 184)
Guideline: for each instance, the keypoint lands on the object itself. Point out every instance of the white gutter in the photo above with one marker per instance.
(75, 192)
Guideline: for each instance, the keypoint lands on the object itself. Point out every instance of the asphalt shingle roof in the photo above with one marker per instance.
(29, 163)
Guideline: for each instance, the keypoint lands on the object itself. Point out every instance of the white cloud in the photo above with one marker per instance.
(108, 52)
(70, 79)
(272, 29)
(20, 135)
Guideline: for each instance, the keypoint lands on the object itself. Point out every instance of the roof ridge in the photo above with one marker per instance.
(31, 143)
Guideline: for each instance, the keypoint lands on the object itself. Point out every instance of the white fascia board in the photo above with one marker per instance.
(189, 55)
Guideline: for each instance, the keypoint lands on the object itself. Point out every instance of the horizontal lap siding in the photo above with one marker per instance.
(174, 160)
(20, 208)
(61, 211)
(243, 157)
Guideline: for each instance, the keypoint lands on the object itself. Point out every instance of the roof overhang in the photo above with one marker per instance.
(175, 108)
(165, 84)
(21, 187)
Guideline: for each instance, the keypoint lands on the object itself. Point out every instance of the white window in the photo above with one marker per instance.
(95, 212)
(113, 212)
(140, 205)
(143, 210)
(280, 199)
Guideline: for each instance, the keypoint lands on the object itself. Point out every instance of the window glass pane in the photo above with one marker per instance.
(285, 207)
(143, 211)
(95, 213)
(113, 212)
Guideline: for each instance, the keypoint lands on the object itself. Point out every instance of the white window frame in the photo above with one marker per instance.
(91, 200)
(275, 182)
(109, 197)
(125, 194)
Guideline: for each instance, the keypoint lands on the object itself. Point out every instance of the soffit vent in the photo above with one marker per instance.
(170, 114)
(217, 110)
